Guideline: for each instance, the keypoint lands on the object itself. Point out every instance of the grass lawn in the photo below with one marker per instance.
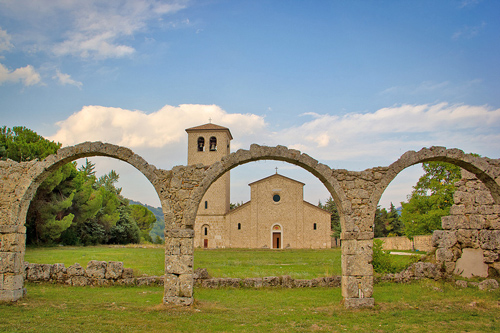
(236, 263)
(425, 306)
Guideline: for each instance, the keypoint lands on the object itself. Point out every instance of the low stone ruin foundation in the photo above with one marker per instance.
(469, 244)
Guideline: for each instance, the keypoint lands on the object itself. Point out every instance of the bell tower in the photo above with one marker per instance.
(207, 144)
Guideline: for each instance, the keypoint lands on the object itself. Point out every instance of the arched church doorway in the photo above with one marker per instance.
(277, 237)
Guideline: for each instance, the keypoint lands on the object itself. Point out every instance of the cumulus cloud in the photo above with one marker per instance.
(380, 136)
(27, 75)
(389, 132)
(66, 79)
(91, 29)
(137, 129)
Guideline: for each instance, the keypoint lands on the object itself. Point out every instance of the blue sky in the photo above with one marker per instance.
(354, 84)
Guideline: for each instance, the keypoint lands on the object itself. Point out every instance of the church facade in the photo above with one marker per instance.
(276, 216)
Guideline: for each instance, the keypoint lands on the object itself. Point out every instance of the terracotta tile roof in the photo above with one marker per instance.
(209, 127)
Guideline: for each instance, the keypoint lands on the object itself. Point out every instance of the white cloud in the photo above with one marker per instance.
(90, 29)
(27, 75)
(136, 129)
(5, 44)
(65, 79)
(389, 132)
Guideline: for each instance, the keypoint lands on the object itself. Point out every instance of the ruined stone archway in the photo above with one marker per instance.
(485, 169)
(23, 180)
(357, 271)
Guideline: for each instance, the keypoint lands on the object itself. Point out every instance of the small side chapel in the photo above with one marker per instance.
(276, 216)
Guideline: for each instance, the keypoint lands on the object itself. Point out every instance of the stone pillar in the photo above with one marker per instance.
(14, 180)
(357, 270)
(12, 245)
(179, 252)
(180, 214)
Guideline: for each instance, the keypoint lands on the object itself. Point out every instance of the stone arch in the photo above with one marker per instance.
(21, 183)
(278, 153)
(86, 149)
(357, 271)
(485, 169)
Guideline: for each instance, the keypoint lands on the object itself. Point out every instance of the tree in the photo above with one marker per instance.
(22, 144)
(144, 219)
(330, 206)
(431, 199)
(387, 223)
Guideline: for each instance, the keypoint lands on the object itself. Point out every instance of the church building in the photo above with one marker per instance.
(276, 216)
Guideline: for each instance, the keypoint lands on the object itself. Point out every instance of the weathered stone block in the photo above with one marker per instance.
(301, 283)
(483, 198)
(12, 262)
(38, 272)
(490, 256)
(171, 285)
(489, 239)
(489, 284)
(12, 242)
(444, 255)
(96, 269)
(128, 273)
(179, 264)
(210, 283)
(75, 270)
(359, 303)
(468, 238)
(11, 295)
(444, 238)
(333, 281)
(461, 283)
(201, 273)
(270, 281)
(353, 246)
(186, 285)
(357, 265)
(126, 282)
(186, 301)
(114, 270)
(253, 282)
(12, 282)
(146, 281)
(357, 287)
(229, 283)
(79, 281)
(58, 272)
(179, 246)
(287, 281)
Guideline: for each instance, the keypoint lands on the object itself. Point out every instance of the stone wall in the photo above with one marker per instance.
(97, 273)
(420, 243)
(469, 243)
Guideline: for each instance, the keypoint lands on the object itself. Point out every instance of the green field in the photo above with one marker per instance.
(425, 306)
(236, 263)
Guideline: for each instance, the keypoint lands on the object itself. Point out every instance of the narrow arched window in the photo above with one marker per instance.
(201, 144)
(239, 226)
(314, 226)
(206, 231)
(206, 204)
(213, 143)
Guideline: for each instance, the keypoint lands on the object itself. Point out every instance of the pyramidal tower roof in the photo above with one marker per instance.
(210, 127)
